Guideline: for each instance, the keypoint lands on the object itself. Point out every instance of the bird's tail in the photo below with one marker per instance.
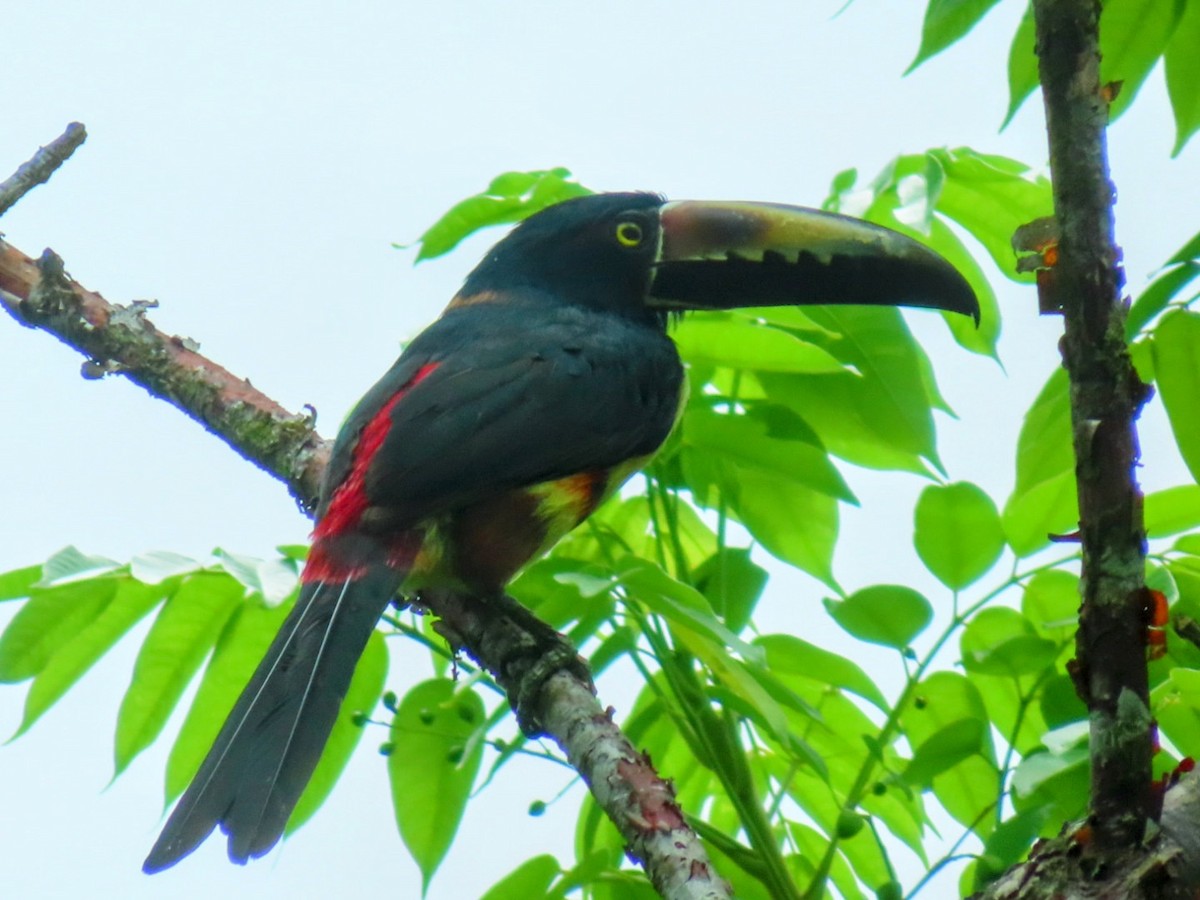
(269, 745)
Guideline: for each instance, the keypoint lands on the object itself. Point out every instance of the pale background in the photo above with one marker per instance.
(248, 166)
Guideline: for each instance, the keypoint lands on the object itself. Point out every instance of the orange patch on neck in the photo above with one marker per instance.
(460, 299)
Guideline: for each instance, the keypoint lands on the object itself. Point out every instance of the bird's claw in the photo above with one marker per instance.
(526, 695)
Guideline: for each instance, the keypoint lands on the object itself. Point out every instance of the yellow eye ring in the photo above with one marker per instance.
(629, 234)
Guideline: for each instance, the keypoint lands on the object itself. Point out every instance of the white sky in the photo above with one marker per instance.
(248, 166)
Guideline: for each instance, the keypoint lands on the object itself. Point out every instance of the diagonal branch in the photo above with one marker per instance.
(558, 697)
(43, 164)
(121, 340)
(512, 644)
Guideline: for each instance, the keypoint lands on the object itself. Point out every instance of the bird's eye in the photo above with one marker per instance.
(629, 234)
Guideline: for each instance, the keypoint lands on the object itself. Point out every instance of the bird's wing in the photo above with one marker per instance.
(506, 413)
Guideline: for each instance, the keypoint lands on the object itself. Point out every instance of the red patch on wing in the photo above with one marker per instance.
(323, 565)
(349, 499)
(326, 563)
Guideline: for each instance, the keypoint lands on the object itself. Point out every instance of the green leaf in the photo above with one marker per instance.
(907, 194)
(760, 440)
(1051, 602)
(159, 565)
(812, 846)
(510, 198)
(945, 749)
(844, 180)
(622, 642)
(272, 579)
(1068, 749)
(957, 533)
(1141, 354)
(1188, 252)
(902, 811)
(50, 620)
(432, 767)
(991, 197)
(68, 563)
(758, 697)
(792, 319)
(1012, 715)
(679, 604)
(623, 885)
(559, 586)
(16, 584)
(939, 700)
(1045, 509)
(742, 343)
(1022, 66)
(947, 21)
(360, 700)
(980, 338)
(132, 600)
(1154, 299)
(298, 552)
(623, 526)
(880, 418)
(1001, 641)
(1177, 367)
(968, 787)
(793, 523)
(1133, 35)
(1044, 499)
(1172, 510)
(182, 635)
(732, 582)
(1010, 841)
(887, 614)
(597, 841)
(1059, 703)
(792, 656)
(239, 649)
(1176, 706)
(530, 880)
(815, 798)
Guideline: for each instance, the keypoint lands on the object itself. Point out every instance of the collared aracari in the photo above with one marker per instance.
(547, 381)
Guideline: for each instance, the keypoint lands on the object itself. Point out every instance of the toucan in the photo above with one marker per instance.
(547, 381)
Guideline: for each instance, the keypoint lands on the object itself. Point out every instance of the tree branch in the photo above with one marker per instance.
(122, 340)
(512, 644)
(1121, 850)
(555, 694)
(1165, 868)
(43, 164)
(1106, 397)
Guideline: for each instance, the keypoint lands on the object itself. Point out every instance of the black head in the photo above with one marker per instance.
(638, 256)
(595, 251)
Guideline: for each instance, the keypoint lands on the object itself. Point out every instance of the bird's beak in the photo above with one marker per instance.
(721, 255)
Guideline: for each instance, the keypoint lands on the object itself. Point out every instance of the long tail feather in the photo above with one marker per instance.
(269, 745)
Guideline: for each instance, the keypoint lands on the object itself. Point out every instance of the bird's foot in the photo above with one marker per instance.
(521, 651)
(542, 654)
(551, 660)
